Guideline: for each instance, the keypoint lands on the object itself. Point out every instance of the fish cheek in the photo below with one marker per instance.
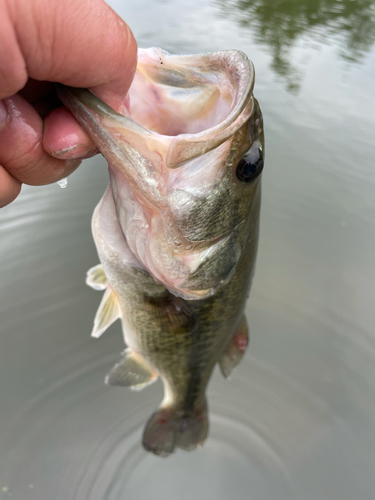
(202, 219)
(208, 218)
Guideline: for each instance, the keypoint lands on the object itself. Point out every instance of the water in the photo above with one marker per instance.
(297, 419)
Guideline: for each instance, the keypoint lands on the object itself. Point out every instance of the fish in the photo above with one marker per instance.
(177, 228)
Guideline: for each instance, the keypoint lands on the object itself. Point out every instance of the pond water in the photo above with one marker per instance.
(297, 418)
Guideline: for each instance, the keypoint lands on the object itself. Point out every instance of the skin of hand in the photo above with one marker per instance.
(81, 43)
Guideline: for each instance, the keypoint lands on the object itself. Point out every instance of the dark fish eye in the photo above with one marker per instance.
(250, 166)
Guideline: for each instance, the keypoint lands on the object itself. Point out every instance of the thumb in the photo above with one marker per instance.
(82, 43)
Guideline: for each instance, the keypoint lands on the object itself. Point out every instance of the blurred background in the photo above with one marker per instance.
(297, 418)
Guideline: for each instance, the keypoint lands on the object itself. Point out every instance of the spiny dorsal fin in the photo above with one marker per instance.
(235, 349)
(107, 313)
(132, 371)
(96, 278)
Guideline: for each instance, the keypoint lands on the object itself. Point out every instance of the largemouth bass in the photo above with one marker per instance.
(177, 229)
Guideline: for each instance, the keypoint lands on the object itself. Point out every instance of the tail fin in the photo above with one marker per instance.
(168, 429)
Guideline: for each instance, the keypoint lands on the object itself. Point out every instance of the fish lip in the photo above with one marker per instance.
(180, 148)
(245, 76)
(192, 143)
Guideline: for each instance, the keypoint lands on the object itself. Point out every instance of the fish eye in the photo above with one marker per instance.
(250, 166)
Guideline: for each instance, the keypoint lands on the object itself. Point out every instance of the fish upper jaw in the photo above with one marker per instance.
(199, 100)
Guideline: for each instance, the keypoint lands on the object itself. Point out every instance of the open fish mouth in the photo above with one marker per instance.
(173, 153)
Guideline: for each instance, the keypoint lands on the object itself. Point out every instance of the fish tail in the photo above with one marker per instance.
(168, 429)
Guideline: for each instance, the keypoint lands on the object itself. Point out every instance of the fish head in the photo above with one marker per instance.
(185, 156)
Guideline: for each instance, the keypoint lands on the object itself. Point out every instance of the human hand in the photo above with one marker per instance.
(81, 43)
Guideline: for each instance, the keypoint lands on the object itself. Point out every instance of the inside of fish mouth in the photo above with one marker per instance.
(172, 102)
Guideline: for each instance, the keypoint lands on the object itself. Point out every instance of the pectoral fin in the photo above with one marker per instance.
(107, 313)
(235, 349)
(132, 371)
(96, 278)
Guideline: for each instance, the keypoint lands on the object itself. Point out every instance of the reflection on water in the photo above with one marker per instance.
(283, 24)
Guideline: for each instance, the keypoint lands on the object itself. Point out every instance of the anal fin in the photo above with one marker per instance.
(107, 313)
(235, 349)
(132, 371)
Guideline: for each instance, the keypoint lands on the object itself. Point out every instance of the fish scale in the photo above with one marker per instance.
(177, 254)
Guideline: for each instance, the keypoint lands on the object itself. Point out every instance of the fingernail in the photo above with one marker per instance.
(77, 151)
(3, 115)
